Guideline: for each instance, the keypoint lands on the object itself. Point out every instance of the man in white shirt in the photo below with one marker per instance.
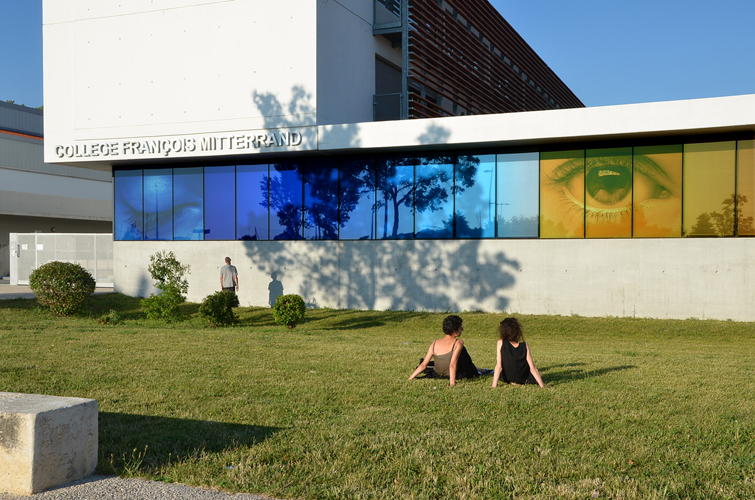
(229, 276)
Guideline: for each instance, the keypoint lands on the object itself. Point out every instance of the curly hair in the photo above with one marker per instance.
(451, 324)
(510, 330)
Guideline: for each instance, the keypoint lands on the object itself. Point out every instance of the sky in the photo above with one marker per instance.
(607, 51)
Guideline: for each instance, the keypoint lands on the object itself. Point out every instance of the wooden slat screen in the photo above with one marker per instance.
(456, 55)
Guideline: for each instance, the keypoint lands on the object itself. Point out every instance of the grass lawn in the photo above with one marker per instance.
(634, 408)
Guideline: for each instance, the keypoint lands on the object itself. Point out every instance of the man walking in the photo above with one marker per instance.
(229, 276)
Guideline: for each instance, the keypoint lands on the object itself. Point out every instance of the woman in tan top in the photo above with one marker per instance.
(452, 360)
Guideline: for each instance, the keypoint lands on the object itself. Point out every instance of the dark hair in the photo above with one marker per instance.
(510, 330)
(228, 260)
(451, 324)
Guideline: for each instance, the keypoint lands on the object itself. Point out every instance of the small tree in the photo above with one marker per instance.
(288, 310)
(62, 287)
(217, 310)
(169, 275)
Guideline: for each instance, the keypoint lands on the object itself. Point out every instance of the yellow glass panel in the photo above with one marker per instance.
(746, 188)
(562, 194)
(709, 176)
(608, 193)
(657, 192)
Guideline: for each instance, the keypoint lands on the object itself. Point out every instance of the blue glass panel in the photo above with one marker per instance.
(433, 197)
(395, 197)
(357, 198)
(188, 203)
(475, 196)
(158, 204)
(251, 202)
(285, 201)
(518, 195)
(128, 213)
(321, 199)
(220, 203)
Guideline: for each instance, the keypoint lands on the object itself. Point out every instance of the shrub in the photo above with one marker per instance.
(113, 317)
(288, 310)
(168, 274)
(62, 287)
(216, 308)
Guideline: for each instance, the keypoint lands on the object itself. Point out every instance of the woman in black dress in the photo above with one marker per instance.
(513, 357)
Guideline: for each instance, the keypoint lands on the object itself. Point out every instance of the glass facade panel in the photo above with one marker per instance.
(158, 204)
(220, 203)
(321, 199)
(709, 177)
(608, 193)
(251, 202)
(286, 201)
(517, 205)
(657, 192)
(395, 197)
(746, 188)
(188, 203)
(562, 194)
(700, 189)
(433, 197)
(128, 205)
(357, 198)
(475, 196)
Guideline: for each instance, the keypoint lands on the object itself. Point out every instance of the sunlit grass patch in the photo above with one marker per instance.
(633, 408)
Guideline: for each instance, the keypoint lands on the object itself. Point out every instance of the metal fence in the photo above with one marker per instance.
(93, 252)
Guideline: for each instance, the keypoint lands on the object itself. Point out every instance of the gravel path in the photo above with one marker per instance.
(116, 488)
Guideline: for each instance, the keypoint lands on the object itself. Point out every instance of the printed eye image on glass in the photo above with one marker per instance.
(658, 191)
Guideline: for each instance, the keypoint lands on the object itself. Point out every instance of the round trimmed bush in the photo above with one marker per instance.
(288, 310)
(62, 287)
(216, 308)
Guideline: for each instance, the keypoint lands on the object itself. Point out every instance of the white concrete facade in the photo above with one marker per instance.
(118, 71)
(659, 278)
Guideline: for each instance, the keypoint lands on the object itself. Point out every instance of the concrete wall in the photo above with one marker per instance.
(660, 278)
(346, 51)
(141, 68)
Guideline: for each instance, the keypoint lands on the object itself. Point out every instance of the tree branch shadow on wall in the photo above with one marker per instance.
(450, 275)
(124, 437)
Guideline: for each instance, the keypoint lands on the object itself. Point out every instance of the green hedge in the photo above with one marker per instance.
(62, 287)
(217, 310)
(288, 310)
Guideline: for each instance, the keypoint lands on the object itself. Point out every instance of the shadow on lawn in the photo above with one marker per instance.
(322, 319)
(18, 303)
(554, 378)
(147, 443)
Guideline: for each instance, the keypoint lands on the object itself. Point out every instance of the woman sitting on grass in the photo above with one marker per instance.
(452, 360)
(513, 356)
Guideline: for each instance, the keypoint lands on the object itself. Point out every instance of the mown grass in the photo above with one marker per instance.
(635, 408)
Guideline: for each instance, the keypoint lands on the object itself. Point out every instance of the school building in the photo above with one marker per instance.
(369, 154)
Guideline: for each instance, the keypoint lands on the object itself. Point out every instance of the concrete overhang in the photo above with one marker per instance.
(720, 115)
(535, 129)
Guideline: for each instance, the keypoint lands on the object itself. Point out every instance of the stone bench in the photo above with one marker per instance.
(45, 441)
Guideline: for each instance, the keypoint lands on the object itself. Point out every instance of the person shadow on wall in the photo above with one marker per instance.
(275, 288)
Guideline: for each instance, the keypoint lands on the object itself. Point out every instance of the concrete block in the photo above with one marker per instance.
(45, 441)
